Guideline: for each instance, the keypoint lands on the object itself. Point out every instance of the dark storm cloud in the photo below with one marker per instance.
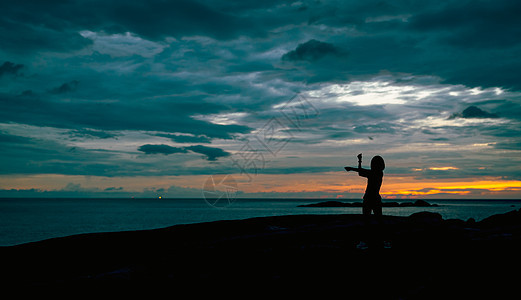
(463, 42)
(473, 112)
(484, 37)
(55, 24)
(66, 87)
(155, 116)
(311, 50)
(10, 68)
(397, 36)
(21, 37)
(474, 23)
(158, 19)
(160, 149)
(186, 138)
(211, 153)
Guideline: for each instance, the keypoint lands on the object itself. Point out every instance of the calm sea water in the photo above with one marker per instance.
(27, 220)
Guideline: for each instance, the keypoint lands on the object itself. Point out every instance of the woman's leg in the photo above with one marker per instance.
(378, 210)
(366, 210)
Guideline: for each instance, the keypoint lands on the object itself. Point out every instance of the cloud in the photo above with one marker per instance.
(157, 19)
(76, 190)
(10, 68)
(28, 150)
(379, 35)
(473, 112)
(161, 115)
(127, 44)
(186, 138)
(211, 153)
(486, 24)
(88, 133)
(167, 77)
(24, 30)
(66, 87)
(45, 154)
(6, 138)
(154, 19)
(311, 50)
(160, 149)
(112, 188)
(508, 145)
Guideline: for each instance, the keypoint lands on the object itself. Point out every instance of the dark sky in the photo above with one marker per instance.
(119, 98)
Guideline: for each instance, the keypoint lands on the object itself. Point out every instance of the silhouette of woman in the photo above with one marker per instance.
(372, 198)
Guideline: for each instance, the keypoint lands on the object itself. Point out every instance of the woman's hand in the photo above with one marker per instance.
(349, 169)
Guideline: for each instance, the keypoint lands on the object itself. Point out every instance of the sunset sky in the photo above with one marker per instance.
(156, 98)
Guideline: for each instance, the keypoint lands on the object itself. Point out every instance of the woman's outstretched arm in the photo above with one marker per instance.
(359, 156)
(351, 169)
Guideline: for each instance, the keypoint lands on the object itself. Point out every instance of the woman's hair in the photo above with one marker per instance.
(377, 163)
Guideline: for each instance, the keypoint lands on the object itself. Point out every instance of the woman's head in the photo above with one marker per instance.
(377, 163)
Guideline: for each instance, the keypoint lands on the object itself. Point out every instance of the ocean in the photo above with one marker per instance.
(28, 220)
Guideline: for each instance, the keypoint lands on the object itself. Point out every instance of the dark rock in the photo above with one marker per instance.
(430, 257)
(426, 216)
(455, 222)
(506, 219)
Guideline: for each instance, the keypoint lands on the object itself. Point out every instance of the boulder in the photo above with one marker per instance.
(426, 216)
(510, 218)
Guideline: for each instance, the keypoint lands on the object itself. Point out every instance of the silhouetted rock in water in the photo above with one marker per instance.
(417, 203)
(429, 258)
(422, 203)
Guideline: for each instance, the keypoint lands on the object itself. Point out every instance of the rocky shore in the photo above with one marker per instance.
(418, 257)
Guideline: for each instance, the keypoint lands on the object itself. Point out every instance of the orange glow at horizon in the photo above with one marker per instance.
(459, 188)
(330, 184)
(334, 182)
